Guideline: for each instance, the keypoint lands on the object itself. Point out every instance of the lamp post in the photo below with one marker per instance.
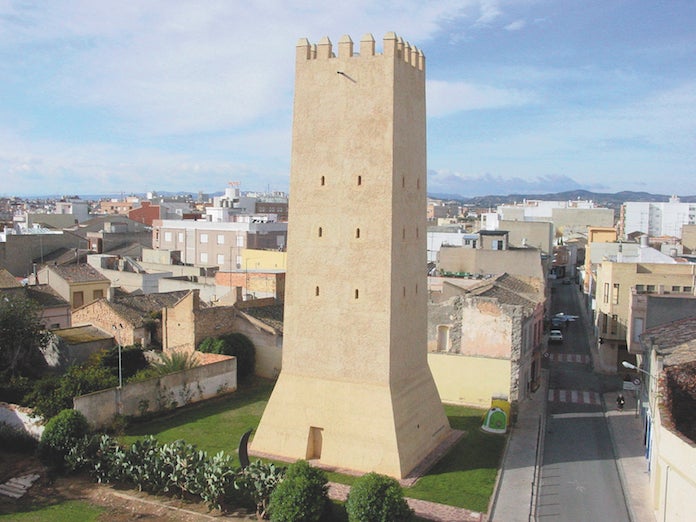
(631, 366)
(120, 367)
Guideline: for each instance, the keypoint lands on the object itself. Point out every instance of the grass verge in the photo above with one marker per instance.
(67, 511)
(465, 477)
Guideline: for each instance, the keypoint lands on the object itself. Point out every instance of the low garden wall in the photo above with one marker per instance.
(159, 394)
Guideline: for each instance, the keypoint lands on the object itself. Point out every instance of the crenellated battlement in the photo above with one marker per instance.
(393, 46)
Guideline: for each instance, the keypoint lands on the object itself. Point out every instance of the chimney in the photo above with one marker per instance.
(644, 241)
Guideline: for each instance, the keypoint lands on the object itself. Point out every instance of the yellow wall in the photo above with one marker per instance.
(673, 475)
(469, 380)
(264, 259)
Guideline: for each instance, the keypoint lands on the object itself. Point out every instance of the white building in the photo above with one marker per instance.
(658, 219)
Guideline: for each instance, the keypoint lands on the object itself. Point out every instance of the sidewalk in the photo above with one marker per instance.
(626, 432)
(512, 500)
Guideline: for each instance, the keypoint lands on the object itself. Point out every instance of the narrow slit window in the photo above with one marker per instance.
(321, 232)
(403, 181)
(357, 233)
(316, 290)
(416, 289)
(403, 233)
(323, 181)
(357, 293)
(417, 232)
(418, 183)
(359, 180)
(404, 291)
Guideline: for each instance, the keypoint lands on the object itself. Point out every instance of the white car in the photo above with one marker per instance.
(555, 336)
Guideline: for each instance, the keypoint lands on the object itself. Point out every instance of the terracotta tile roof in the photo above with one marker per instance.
(44, 295)
(137, 308)
(78, 273)
(271, 315)
(7, 280)
(675, 341)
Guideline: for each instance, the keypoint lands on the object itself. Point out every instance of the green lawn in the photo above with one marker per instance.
(67, 511)
(465, 477)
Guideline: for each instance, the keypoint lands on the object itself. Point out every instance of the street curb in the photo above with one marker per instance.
(617, 462)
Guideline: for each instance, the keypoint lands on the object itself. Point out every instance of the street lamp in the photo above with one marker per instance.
(118, 342)
(631, 366)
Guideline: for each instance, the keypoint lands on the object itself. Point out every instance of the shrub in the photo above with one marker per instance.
(255, 484)
(53, 394)
(301, 496)
(60, 434)
(16, 439)
(132, 360)
(377, 498)
(237, 345)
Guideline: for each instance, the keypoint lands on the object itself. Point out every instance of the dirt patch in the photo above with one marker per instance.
(121, 504)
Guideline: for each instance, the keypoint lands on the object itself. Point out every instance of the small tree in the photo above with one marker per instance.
(301, 496)
(21, 335)
(377, 498)
(175, 361)
(237, 345)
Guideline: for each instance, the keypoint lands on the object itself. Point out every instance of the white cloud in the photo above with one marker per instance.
(445, 98)
(516, 25)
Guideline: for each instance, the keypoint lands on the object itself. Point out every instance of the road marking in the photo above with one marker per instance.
(574, 396)
(570, 357)
(577, 415)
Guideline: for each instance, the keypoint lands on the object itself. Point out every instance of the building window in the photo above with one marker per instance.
(78, 299)
(239, 261)
(204, 257)
(357, 293)
(443, 338)
(403, 233)
(640, 289)
(316, 291)
(320, 232)
(614, 323)
(180, 236)
(204, 238)
(675, 289)
(221, 239)
(221, 259)
(357, 233)
(615, 294)
(687, 289)
(97, 294)
(606, 293)
(359, 180)
(167, 237)
(323, 181)
(404, 291)
(651, 288)
(417, 232)
(240, 241)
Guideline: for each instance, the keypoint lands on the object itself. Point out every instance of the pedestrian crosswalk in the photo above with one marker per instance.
(575, 396)
(569, 357)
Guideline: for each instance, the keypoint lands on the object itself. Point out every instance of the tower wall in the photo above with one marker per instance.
(355, 390)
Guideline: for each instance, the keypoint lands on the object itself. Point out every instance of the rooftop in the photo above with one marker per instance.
(78, 273)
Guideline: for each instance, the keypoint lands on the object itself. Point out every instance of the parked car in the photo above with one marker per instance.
(555, 336)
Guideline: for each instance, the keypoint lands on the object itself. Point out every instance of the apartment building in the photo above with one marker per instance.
(657, 218)
(615, 280)
(570, 217)
(203, 243)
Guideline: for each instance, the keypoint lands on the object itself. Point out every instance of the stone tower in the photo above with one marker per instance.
(355, 390)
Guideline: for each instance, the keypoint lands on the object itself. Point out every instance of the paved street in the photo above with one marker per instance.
(579, 477)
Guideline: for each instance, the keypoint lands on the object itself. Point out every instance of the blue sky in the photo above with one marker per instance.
(523, 95)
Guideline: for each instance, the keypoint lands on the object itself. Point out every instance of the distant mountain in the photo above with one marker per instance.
(613, 201)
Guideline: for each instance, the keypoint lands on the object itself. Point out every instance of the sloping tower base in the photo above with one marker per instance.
(353, 425)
